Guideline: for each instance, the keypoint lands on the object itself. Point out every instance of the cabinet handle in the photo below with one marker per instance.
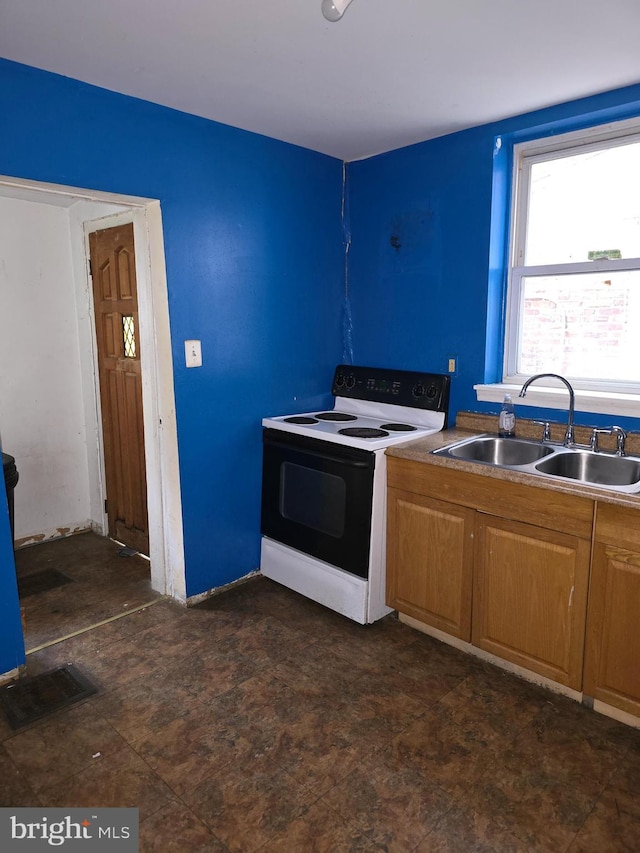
(571, 596)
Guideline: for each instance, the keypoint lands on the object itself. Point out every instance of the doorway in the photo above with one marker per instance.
(86, 213)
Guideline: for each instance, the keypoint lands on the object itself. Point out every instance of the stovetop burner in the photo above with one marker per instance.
(379, 407)
(363, 432)
(398, 427)
(335, 416)
(300, 419)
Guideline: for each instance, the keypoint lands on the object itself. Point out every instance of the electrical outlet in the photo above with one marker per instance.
(193, 353)
(452, 365)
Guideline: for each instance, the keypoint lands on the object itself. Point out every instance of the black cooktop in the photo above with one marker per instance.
(399, 387)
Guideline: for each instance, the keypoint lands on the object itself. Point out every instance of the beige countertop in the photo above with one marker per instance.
(468, 425)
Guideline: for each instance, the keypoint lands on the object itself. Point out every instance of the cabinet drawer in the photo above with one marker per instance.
(542, 507)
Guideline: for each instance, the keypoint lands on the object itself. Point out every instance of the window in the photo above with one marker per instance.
(573, 299)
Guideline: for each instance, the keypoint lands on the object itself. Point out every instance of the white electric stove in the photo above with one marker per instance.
(324, 485)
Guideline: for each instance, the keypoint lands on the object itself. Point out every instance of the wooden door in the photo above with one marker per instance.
(429, 562)
(117, 332)
(530, 597)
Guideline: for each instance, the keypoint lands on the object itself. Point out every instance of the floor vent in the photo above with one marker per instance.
(41, 582)
(31, 699)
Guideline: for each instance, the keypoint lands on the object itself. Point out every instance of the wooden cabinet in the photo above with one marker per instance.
(520, 553)
(530, 597)
(430, 554)
(612, 659)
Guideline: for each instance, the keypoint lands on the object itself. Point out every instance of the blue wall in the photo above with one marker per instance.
(420, 257)
(254, 260)
(254, 252)
(11, 642)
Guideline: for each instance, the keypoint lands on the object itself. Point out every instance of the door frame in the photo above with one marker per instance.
(164, 501)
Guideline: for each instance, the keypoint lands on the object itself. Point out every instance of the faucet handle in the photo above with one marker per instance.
(621, 437)
(546, 430)
(620, 434)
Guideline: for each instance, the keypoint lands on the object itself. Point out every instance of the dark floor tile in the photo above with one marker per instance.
(492, 697)
(396, 806)
(164, 645)
(188, 749)
(146, 706)
(115, 666)
(262, 702)
(626, 779)
(266, 640)
(570, 744)
(6, 731)
(321, 830)
(466, 831)
(563, 721)
(426, 669)
(321, 748)
(102, 585)
(265, 597)
(15, 787)
(122, 779)
(261, 720)
(175, 829)
(382, 704)
(612, 827)
(246, 804)
(540, 808)
(450, 755)
(210, 676)
(66, 743)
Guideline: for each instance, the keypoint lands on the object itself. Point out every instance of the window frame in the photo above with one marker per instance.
(524, 155)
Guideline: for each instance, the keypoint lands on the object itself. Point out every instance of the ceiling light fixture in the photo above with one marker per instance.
(333, 10)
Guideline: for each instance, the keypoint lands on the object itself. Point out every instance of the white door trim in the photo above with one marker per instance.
(161, 435)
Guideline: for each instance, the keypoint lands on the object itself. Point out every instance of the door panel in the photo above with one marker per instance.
(530, 597)
(430, 561)
(116, 313)
(612, 672)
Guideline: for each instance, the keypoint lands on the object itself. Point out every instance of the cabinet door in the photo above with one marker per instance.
(530, 597)
(429, 561)
(612, 663)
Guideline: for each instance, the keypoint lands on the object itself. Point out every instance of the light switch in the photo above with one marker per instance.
(193, 353)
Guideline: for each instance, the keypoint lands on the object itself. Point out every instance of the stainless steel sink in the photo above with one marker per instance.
(498, 451)
(603, 470)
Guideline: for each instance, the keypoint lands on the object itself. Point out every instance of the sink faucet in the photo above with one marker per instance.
(569, 435)
(620, 434)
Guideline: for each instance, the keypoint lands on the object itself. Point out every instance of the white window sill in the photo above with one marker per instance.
(601, 402)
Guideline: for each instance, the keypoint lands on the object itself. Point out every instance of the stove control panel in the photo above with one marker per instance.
(400, 387)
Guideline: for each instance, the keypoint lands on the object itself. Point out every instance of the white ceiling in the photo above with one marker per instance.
(390, 73)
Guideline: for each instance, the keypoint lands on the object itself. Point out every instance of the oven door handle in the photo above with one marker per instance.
(340, 460)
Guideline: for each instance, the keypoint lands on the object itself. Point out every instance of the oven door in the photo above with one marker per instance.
(317, 498)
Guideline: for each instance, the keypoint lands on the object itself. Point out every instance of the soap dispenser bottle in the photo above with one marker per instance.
(507, 419)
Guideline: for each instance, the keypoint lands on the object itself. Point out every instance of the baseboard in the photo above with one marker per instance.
(217, 590)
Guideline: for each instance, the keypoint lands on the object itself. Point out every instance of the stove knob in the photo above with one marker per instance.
(351, 381)
(339, 380)
(418, 390)
(432, 392)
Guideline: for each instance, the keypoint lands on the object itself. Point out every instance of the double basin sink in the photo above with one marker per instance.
(601, 469)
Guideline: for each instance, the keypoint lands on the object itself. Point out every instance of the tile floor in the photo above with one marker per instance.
(102, 584)
(261, 721)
